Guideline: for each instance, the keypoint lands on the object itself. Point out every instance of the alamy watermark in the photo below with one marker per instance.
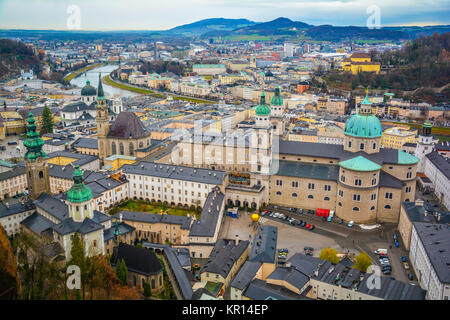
(374, 19)
(374, 280)
(74, 19)
(74, 277)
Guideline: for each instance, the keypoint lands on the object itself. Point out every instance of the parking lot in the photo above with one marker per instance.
(11, 150)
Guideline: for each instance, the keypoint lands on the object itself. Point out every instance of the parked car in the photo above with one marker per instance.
(330, 216)
(397, 244)
(309, 248)
(299, 222)
(304, 223)
(406, 265)
(308, 253)
(350, 224)
(292, 210)
(395, 237)
(292, 222)
(381, 251)
(283, 250)
(387, 272)
(404, 259)
(300, 211)
(275, 215)
(2, 148)
(340, 221)
(311, 211)
(410, 276)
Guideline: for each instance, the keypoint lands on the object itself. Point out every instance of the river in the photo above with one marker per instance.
(92, 76)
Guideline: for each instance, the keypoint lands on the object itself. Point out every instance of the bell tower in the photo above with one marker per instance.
(102, 119)
(36, 165)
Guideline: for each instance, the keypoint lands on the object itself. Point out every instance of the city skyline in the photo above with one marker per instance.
(104, 15)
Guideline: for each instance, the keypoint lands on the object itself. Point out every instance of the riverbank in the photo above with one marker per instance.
(75, 73)
(107, 79)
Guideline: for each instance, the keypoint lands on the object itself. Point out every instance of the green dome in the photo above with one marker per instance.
(363, 126)
(79, 192)
(88, 90)
(262, 109)
(277, 100)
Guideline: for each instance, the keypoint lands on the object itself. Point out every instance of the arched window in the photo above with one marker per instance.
(121, 149)
(310, 197)
(278, 193)
(131, 148)
(374, 181)
(407, 200)
(361, 146)
(349, 144)
(41, 174)
(372, 208)
(387, 206)
(141, 145)
(340, 204)
(294, 195)
(326, 199)
(343, 178)
(355, 209)
(113, 148)
(358, 182)
(374, 145)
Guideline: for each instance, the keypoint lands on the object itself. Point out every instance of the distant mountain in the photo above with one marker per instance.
(331, 33)
(216, 24)
(277, 26)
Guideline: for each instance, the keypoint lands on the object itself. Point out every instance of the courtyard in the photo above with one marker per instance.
(155, 207)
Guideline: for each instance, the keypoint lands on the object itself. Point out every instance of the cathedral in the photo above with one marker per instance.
(359, 180)
(126, 135)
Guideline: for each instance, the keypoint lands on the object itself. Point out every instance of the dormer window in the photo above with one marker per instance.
(361, 146)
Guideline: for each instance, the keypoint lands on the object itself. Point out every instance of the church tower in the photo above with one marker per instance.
(424, 145)
(276, 113)
(79, 198)
(38, 178)
(261, 139)
(102, 119)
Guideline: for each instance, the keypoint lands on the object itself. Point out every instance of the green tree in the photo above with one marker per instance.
(122, 272)
(147, 290)
(362, 262)
(78, 258)
(329, 254)
(47, 121)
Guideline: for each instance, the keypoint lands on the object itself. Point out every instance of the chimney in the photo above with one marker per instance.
(120, 217)
(419, 203)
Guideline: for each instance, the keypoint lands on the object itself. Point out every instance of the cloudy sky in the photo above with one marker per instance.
(165, 14)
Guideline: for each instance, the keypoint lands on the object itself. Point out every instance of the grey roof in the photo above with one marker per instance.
(440, 162)
(332, 151)
(246, 274)
(436, 242)
(184, 222)
(389, 181)
(308, 170)
(82, 159)
(128, 125)
(37, 223)
(17, 171)
(350, 278)
(425, 213)
(261, 290)
(206, 225)
(89, 143)
(8, 210)
(52, 206)
(69, 226)
(223, 256)
(291, 275)
(78, 106)
(183, 281)
(305, 264)
(176, 172)
(264, 245)
(124, 228)
(138, 260)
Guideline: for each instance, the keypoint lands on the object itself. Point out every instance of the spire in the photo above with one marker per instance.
(79, 192)
(100, 93)
(33, 141)
(263, 98)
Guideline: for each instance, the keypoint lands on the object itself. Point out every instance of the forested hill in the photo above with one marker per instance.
(16, 56)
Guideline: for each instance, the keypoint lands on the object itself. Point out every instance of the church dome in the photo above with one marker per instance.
(88, 90)
(262, 109)
(79, 192)
(364, 126)
(277, 100)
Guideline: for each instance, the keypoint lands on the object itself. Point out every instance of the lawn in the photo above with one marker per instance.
(73, 74)
(144, 206)
(441, 131)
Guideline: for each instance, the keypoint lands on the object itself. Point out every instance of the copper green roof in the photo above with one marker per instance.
(262, 109)
(366, 100)
(79, 192)
(359, 163)
(364, 126)
(33, 141)
(100, 93)
(406, 158)
(277, 100)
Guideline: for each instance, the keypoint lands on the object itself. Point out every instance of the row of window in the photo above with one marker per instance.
(309, 196)
(361, 145)
(358, 182)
